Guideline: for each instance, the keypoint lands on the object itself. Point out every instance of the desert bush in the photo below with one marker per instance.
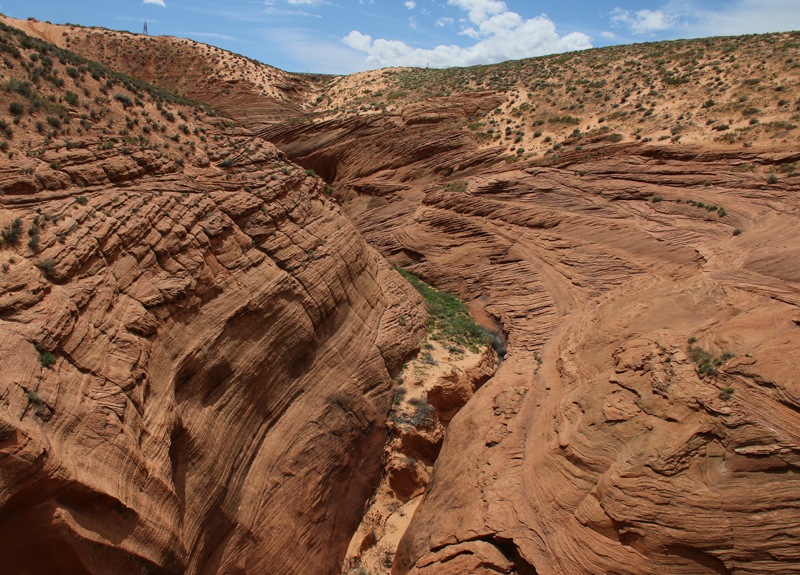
(71, 98)
(12, 231)
(460, 186)
(46, 266)
(423, 415)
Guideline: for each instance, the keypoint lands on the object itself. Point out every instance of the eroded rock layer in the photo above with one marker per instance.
(645, 419)
(607, 443)
(223, 370)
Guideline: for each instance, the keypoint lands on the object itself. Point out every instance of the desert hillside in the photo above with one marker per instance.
(217, 370)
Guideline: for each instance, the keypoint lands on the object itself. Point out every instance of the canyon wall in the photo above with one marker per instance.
(196, 378)
(645, 419)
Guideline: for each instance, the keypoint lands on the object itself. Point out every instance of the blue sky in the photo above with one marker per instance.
(344, 36)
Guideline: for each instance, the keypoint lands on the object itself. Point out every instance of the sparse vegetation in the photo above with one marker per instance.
(47, 359)
(449, 318)
(12, 232)
(46, 266)
(460, 186)
(707, 363)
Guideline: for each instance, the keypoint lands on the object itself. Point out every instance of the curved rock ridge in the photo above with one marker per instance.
(645, 419)
(198, 352)
(601, 445)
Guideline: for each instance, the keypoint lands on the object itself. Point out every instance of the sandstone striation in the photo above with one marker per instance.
(223, 358)
(198, 354)
(223, 363)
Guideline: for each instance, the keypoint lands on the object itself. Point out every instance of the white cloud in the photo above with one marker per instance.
(745, 17)
(609, 35)
(156, 2)
(302, 49)
(272, 9)
(213, 35)
(410, 4)
(480, 10)
(413, 23)
(694, 19)
(442, 22)
(643, 21)
(501, 34)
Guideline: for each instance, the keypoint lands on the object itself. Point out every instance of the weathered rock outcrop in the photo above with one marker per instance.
(645, 419)
(601, 446)
(606, 442)
(223, 363)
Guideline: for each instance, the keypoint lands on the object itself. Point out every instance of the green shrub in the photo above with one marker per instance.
(772, 179)
(12, 231)
(71, 98)
(22, 88)
(47, 359)
(16, 108)
(449, 317)
(569, 120)
(46, 266)
(311, 173)
(459, 186)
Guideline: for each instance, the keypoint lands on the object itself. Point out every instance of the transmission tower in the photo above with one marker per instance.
(145, 28)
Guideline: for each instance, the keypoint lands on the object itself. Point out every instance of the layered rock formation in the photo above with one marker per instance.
(614, 453)
(645, 419)
(607, 442)
(223, 369)
(198, 357)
